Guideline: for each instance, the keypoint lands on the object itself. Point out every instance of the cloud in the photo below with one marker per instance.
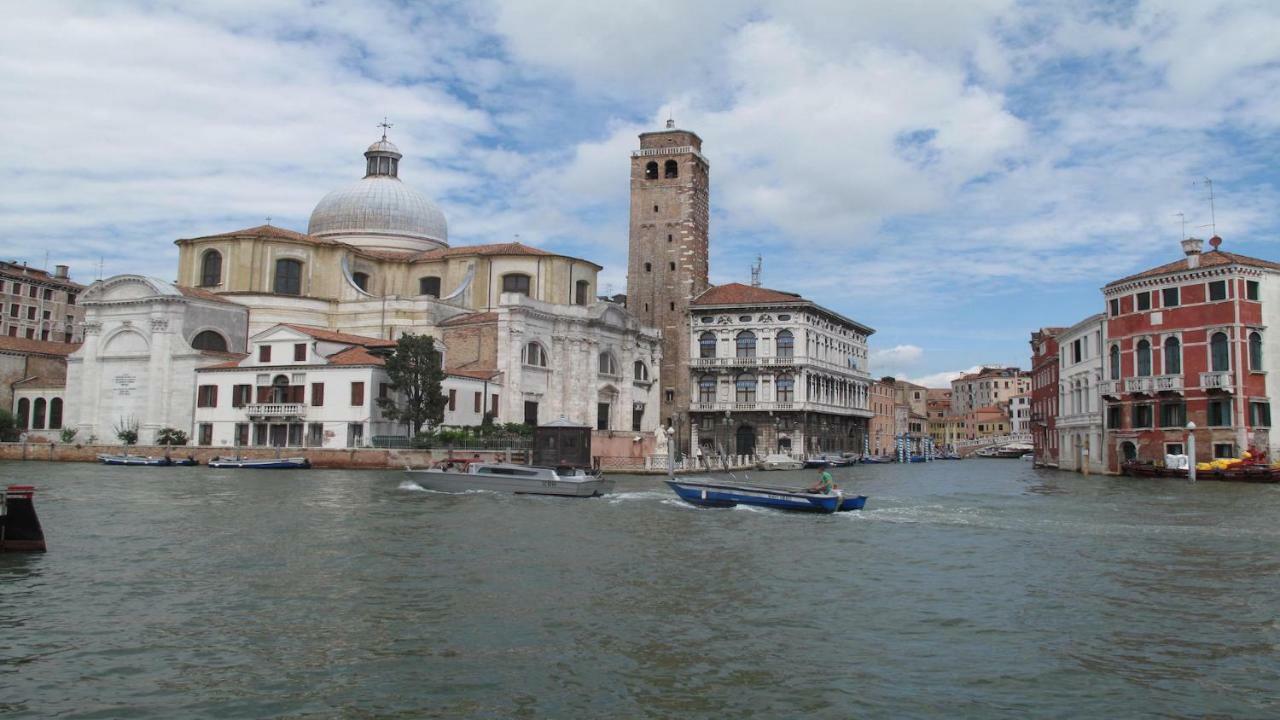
(943, 379)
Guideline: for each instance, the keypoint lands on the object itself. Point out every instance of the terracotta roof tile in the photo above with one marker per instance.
(265, 231)
(1213, 258)
(513, 248)
(36, 347)
(23, 273)
(477, 374)
(225, 365)
(739, 294)
(202, 294)
(356, 356)
(471, 318)
(41, 383)
(320, 333)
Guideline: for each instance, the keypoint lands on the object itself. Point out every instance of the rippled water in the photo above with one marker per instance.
(975, 589)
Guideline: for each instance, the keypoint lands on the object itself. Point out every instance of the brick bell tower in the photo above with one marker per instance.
(667, 260)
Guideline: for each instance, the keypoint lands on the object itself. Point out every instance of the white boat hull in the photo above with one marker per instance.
(448, 481)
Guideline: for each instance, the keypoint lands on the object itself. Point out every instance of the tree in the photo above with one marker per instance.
(9, 430)
(416, 374)
(171, 436)
(127, 431)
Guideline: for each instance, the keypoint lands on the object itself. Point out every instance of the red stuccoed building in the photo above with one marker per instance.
(1044, 395)
(1195, 340)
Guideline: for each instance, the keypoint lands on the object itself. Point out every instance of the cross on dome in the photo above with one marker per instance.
(385, 127)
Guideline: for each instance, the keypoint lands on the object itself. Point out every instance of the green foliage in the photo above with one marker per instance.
(171, 436)
(69, 434)
(8, 426)
(127, 431)
(416, 375)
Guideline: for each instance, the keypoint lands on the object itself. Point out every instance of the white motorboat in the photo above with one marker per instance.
(780, 462)
(508, 477)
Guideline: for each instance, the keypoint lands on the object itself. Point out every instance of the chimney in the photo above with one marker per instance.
(1192, 246)
(60, 271)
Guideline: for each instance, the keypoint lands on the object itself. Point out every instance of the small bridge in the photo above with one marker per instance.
(965, 448)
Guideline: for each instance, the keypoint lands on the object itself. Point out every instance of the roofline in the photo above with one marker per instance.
(798, 302)
(1141, 277)
(665, 131)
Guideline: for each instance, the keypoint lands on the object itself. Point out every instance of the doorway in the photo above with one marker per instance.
(746, 440)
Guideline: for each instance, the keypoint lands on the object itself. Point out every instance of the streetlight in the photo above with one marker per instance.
(671, 456)
(1191, 451)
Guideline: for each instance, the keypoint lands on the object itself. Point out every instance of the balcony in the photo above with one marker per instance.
(1112, 388)
(744, 362)
(1216, 381)
(766, 406)
(277, 410)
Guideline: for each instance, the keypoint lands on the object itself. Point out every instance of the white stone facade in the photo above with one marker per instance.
(1020, 414)
(1079, 420)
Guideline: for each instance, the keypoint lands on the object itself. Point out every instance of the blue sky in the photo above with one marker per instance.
(953, 174)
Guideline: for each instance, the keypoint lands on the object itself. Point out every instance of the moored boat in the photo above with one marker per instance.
(1243, 473)
(707, 493)
(20, 529)
(144, 460)
(780, 462)
(512, 478)
(293, 463)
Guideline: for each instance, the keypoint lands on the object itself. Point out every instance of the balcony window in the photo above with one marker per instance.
(1114, 361)
(1173, 414)
(1114, 413)
(786, 388)
(1219, 352)
(1218, 290)
(1255, 351)
(1220, 413)
(746, 344)
(707, 389)
(1141, 416)
(746, 388)
(1172, 356)
(786, 344)
(1169, 297)
(707, 345)
(1144, 358)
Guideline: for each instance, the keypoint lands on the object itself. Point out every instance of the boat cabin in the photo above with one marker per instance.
(562, 444)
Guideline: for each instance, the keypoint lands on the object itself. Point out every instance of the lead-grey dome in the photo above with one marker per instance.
(380, 210)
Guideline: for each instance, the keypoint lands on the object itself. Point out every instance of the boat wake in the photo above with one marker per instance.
(411, 485)
(616, 498)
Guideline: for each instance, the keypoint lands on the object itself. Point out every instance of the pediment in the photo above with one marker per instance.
(121, 288)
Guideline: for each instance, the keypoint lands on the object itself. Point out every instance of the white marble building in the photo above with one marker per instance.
(1079, 420)
(143, 341)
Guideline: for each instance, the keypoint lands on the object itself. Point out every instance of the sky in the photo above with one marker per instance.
(954, 175)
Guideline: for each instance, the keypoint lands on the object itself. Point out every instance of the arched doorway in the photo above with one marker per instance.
(1128, 451)
(746, 440)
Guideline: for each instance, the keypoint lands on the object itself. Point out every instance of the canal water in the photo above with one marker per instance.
(981, 588)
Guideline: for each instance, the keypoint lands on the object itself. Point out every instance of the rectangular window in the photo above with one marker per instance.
(453, 399)
(530, 413)
(264, 353)
(31, 312)
(493, 406)
(206, 434)
(1224, 450)
(242, 434)
(17, 288)
(33, 291)
(1250, 289)
(14, 310)
(1169, 297)
(1173, 448)
(1260, 414)
(260, 434)
(602, 416)
(1075, 351)
(299, 352)
(357, 394)
(1218, 290)
(317, 394)
(295, 434)
(355, 434)
(240, 395)
(479, 401)
(1219, 413)
(637, 418)
(48, 294)
(315, 435)
(1115, 307)
(1173, 414)
(1144, 300)
(207, 396)
(1141, 416)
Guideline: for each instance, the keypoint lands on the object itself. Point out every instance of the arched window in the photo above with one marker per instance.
(429, 285)
(37, 415)
(607, 365)
(651, 171)
(515, 283)
(361, 280)
(707, 345)
(786, 344)
(534, 355)
(1144, 358)
(24, 410)
(786, 388)
(1114, 359)
(671, 169)
(641, 371)
(1172, 356)
(55, 414)
(280, 389)
(1219, 353)
(746, 387)
(211, 268)
(1255, 351)
(746, 344)
(707, 388)
(288, 277)
(581, 292)
(209, 340)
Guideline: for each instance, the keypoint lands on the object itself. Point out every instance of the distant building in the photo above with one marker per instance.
(1044, 395)
(987, 422)
(774, 372)
(1078, 422)
(1020, 414)
(33, 377)
(880, 430)
(989, 386)
(1194, 340)
(39, 306)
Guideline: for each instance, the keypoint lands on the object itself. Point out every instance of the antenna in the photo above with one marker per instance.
(1183, 218)
(1213, 220)
(755, 271)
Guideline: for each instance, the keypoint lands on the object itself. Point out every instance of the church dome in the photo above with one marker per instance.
(380, 211)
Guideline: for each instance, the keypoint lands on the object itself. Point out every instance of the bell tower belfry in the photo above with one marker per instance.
(667, 259)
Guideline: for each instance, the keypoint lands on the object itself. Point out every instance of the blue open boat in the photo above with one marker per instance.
(144, 460)
(713, 494)
(295, 463)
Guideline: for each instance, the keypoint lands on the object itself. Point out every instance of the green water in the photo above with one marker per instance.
(981, 589)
